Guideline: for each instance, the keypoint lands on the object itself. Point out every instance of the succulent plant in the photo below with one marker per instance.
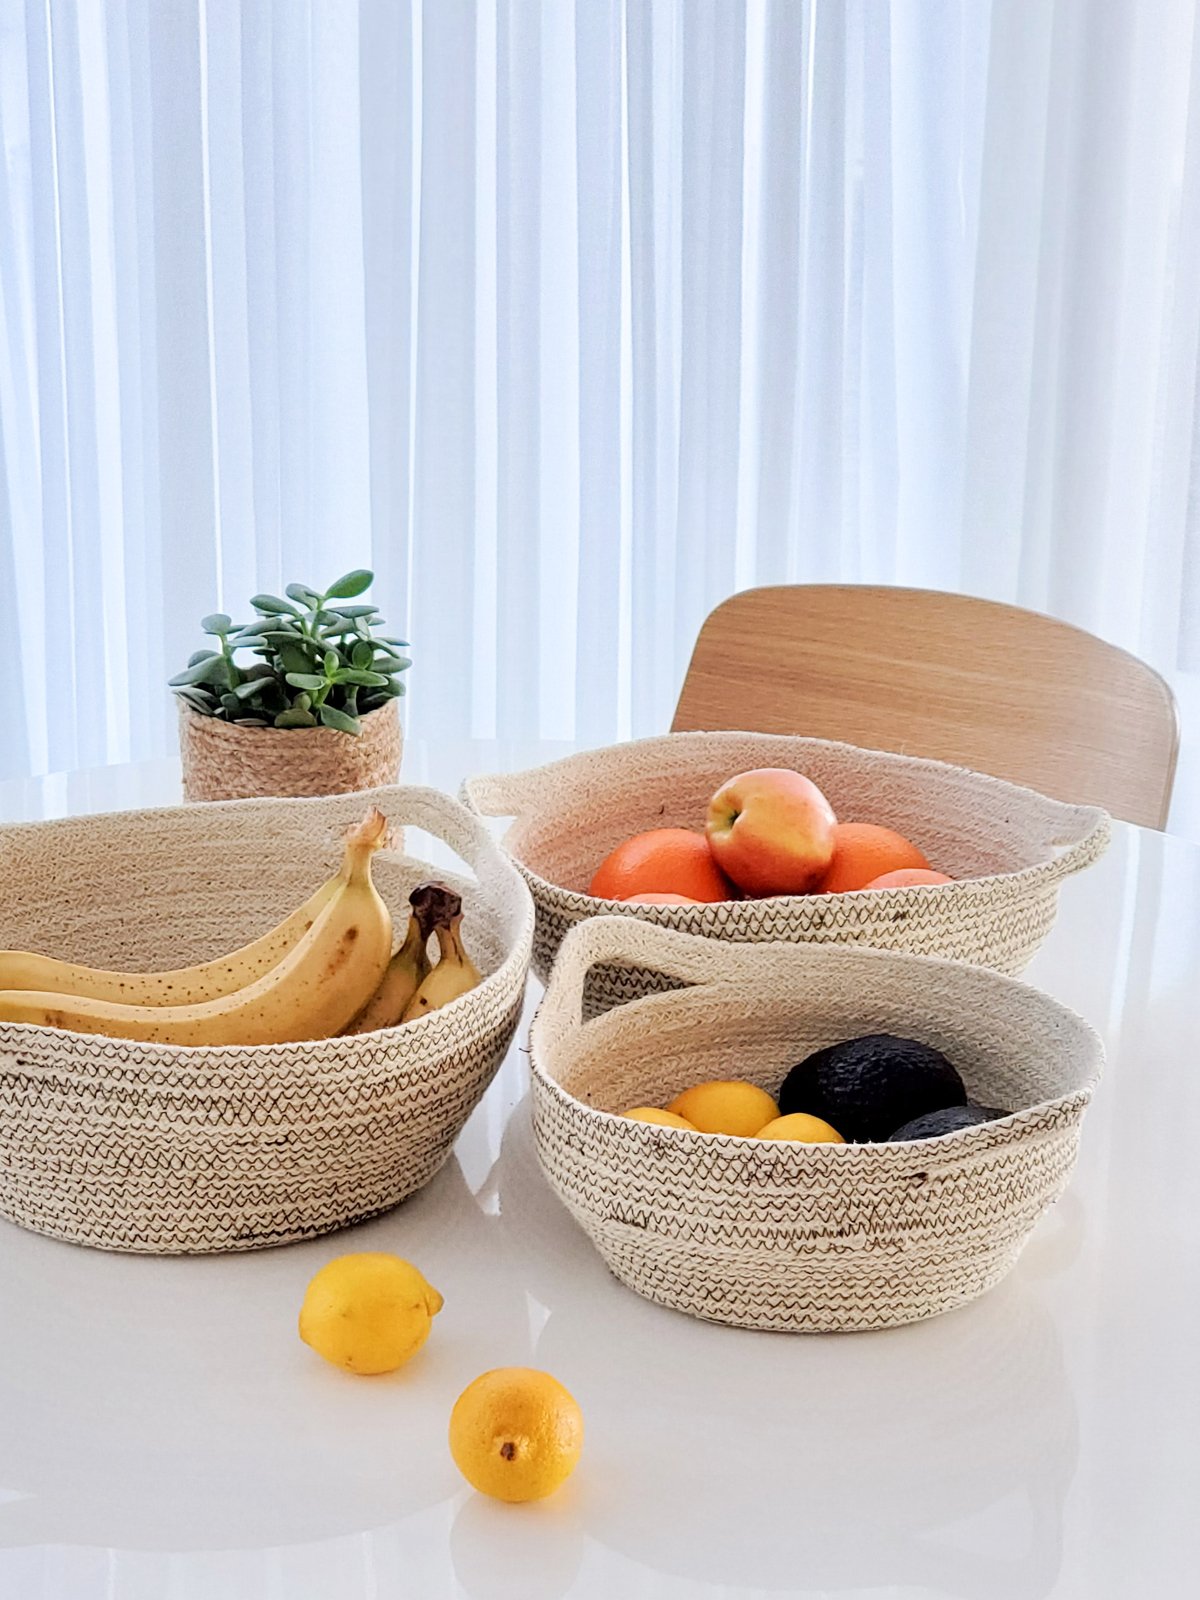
(318, 661)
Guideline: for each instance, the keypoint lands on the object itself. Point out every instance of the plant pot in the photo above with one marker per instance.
(222, 761)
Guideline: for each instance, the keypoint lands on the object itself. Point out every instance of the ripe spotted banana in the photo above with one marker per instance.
(21, 969)
(323, 981)
(455, 974)
(406, 971)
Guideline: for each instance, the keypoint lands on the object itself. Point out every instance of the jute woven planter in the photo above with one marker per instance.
(222, 761)
(1009, 848)
(130, 1146)
(794, 1237)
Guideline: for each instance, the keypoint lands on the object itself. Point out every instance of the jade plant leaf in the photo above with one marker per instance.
(317, 660)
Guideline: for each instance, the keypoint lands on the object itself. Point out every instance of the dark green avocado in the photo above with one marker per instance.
(869, 1087)
(950, 1120)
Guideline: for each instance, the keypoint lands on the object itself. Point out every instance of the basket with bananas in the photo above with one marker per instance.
(325, 969)
(157, 1096)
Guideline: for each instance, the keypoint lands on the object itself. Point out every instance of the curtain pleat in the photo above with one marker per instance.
(571, 318)
(712, 102)
(388, 173)
(523, 545)
(185, 511)
(654, 156)
(771, 336)
(601, 236)
(444, 433)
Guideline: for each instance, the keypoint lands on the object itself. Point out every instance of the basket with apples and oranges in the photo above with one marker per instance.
(754, 838)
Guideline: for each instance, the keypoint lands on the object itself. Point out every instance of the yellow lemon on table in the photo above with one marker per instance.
(661, 1119)
(800, 1126)
(368, 1312)
(726, 1106)
(516, 1434)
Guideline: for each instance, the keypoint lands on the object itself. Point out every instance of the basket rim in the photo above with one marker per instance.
(1092, 832)
(181, 1065)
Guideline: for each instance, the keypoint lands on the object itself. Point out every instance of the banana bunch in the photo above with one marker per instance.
(455, 972)
(412, 986)
(305, 979)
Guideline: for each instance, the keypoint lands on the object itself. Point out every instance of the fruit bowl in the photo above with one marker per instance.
(158, 1148)
(786, 1236)
(1008, 848)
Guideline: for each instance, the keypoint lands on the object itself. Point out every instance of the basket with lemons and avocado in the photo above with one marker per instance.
(804, 1137)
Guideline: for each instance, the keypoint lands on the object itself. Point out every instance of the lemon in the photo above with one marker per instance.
(726, 1106)
(800, 1126)
(368, 1312)
(662, 1119)
(516, 1434)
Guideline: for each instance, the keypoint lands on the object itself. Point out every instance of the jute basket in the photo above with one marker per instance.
(129, 1146)
(1009, 848)
(222, 761)
(793, 1237)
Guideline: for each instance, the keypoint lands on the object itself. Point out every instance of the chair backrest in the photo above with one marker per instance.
(1006, 691)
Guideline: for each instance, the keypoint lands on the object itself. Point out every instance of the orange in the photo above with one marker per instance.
(663, 861)
(663, 899)
(907, 878)
(516, 1434)
(862, 852)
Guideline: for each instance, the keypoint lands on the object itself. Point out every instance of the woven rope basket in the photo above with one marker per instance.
(222, 761)
(129, 1146)
(791, 1237)
(1009, 847)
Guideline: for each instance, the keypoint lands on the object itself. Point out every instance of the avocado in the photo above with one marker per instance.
(934, 1123)
(988, 1113)
(868, 1087)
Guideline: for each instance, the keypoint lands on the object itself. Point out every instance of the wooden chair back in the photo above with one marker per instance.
(984, 685)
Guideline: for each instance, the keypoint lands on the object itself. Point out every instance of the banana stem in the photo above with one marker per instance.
(414, 940)
(368, 836)
(450, 945)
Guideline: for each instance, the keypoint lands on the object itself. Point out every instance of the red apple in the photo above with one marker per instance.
(771, 831)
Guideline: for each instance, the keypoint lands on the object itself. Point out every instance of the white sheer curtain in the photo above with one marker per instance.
(569, 319)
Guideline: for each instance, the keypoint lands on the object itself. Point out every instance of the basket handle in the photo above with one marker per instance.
(632, 942)
(447, 819)
(504, 794)
(1087, 847)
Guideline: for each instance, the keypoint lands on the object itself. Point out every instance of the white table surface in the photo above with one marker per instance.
(164, 1435)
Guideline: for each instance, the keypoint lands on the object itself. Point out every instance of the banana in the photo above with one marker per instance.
(406, 971)
(433, 906)
(21, 969)
(455, 973)
(318, 986)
